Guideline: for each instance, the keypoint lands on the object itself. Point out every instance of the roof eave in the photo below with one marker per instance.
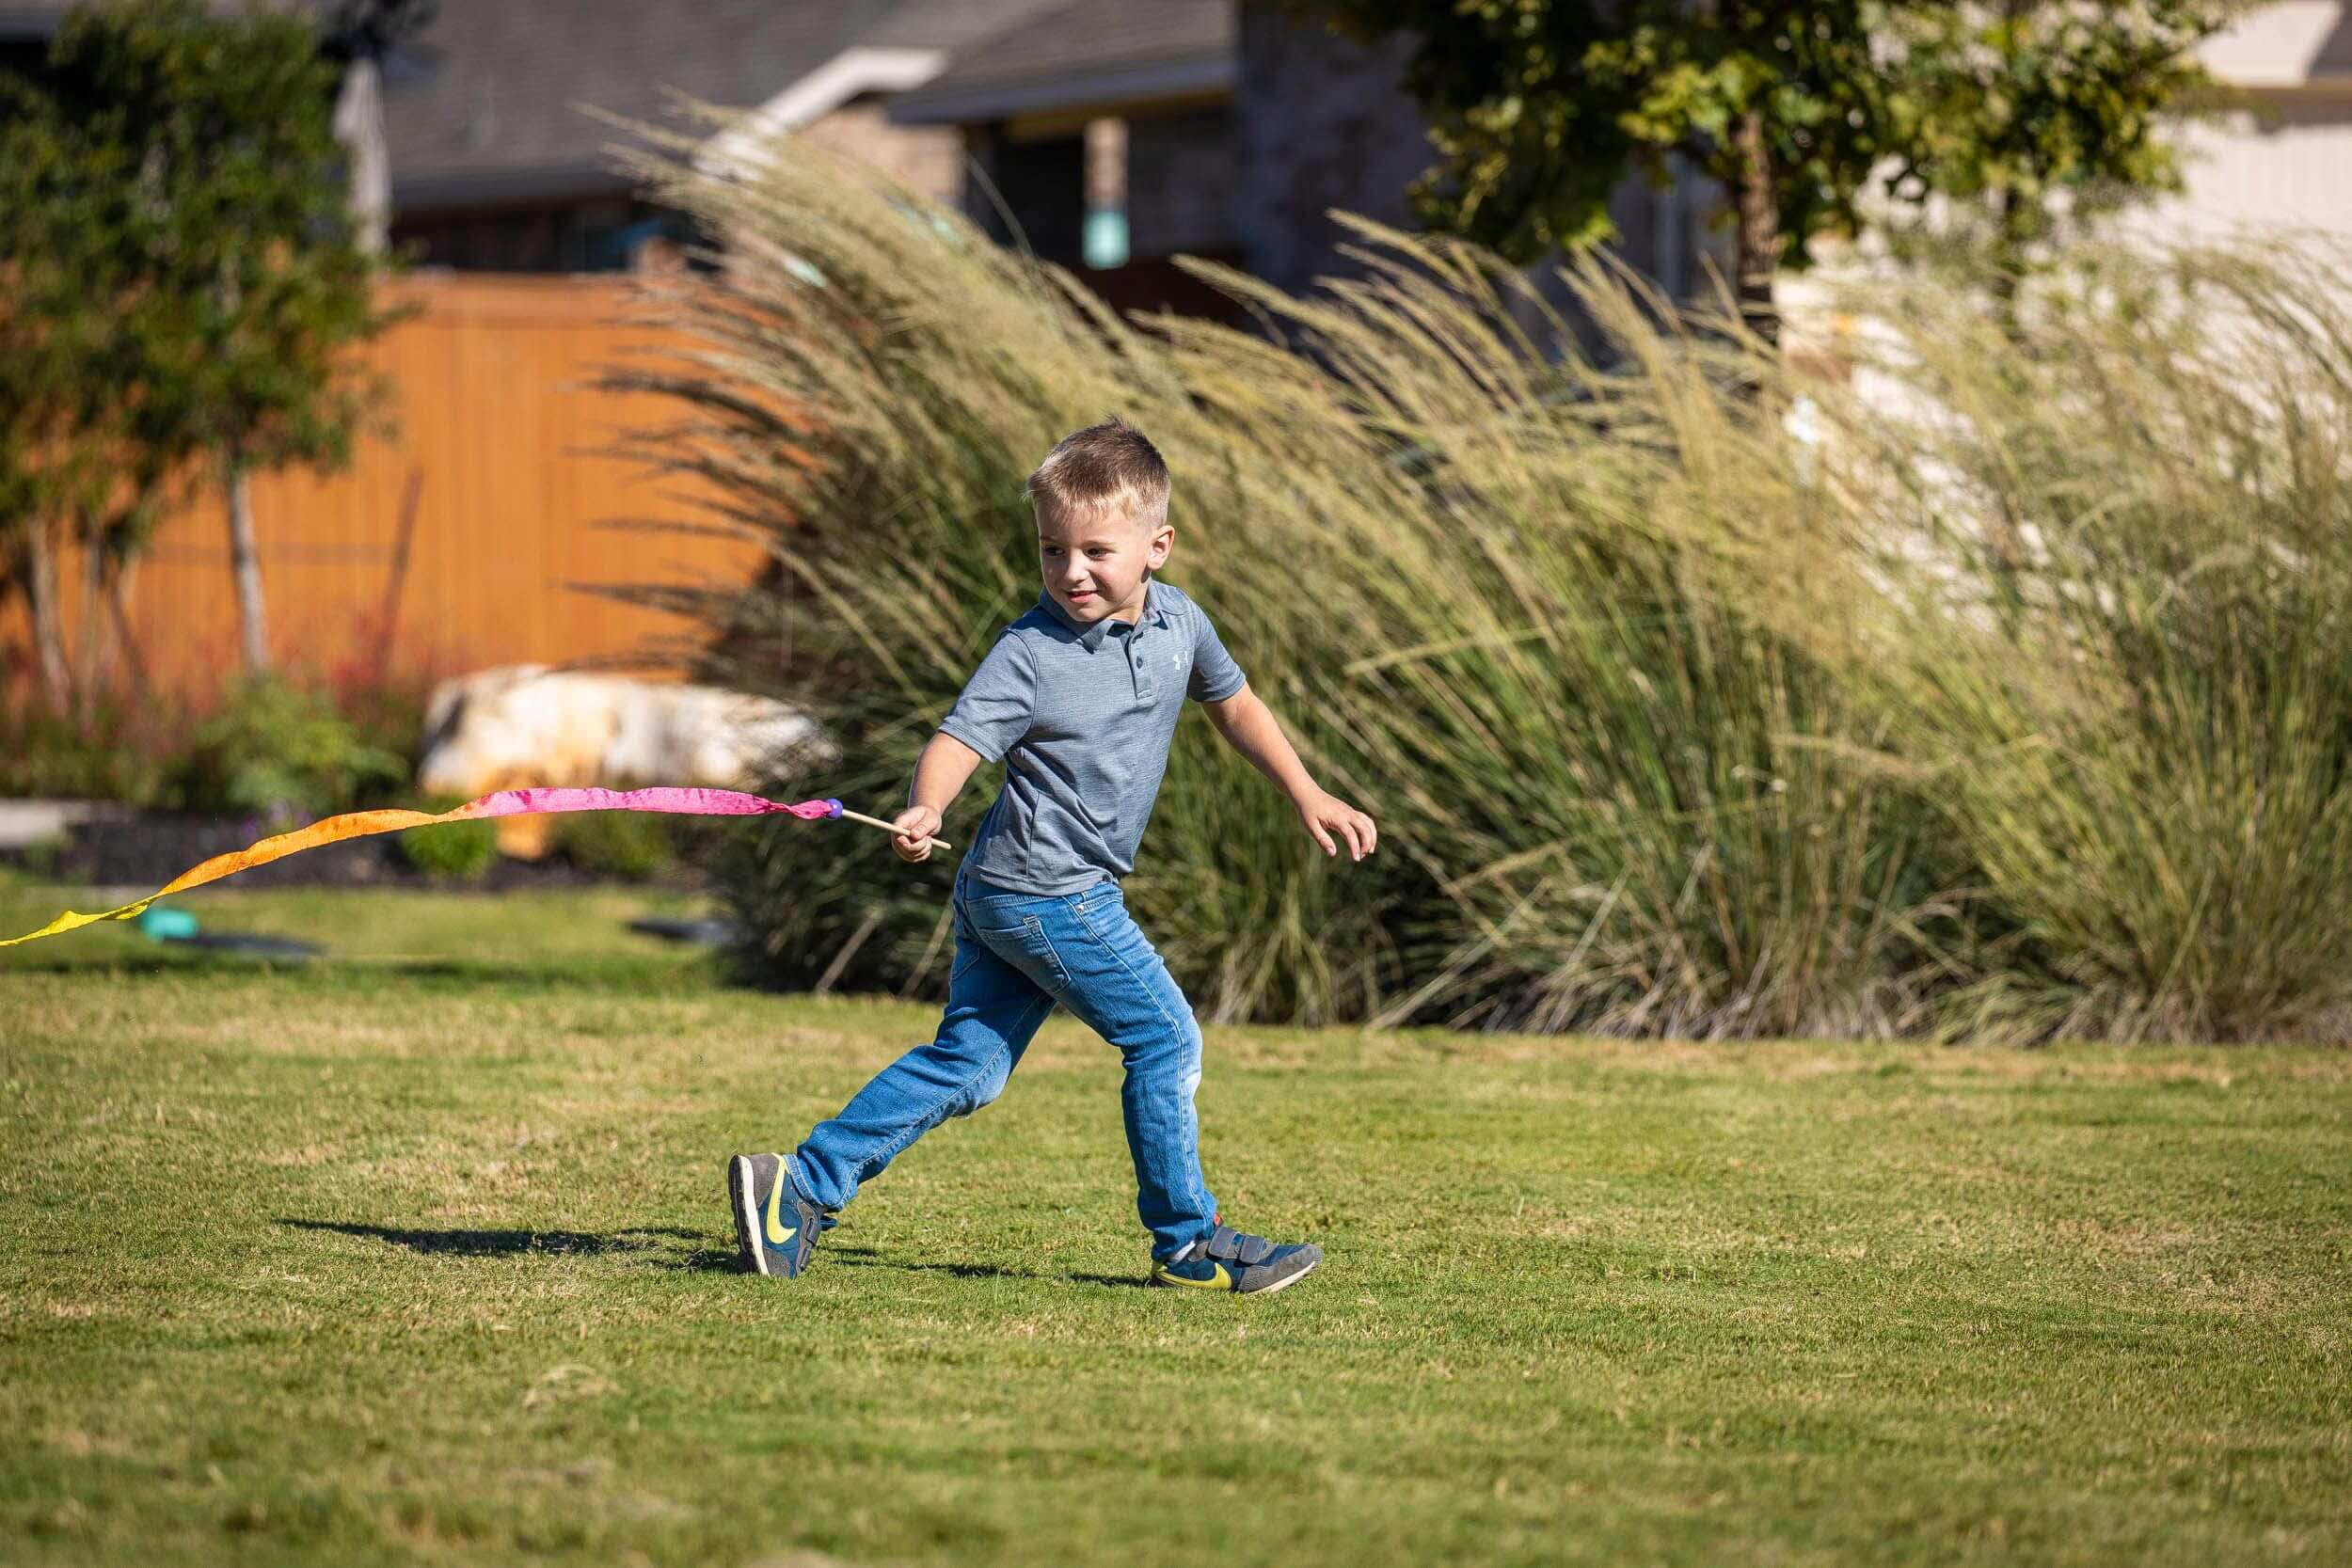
(427, 193)
(850, 75)
(1110, 88)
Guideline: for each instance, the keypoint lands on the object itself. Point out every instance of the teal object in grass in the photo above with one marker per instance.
(163, 923)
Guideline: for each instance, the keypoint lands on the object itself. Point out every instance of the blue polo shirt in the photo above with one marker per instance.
(1082, 716)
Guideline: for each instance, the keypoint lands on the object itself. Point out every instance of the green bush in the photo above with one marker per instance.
(631, 846)
(451, 851)
(282, 751)
(121, 751)
(2012, 698)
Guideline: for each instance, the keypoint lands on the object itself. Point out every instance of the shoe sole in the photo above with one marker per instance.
(1285, 1282)
(746, 1222)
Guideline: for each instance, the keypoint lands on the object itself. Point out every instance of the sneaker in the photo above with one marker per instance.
(775, 1227)
(1228, 1261)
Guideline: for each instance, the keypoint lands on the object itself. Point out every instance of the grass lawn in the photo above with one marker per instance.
(419, 1254)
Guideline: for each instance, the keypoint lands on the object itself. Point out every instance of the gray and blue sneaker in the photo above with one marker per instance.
(1225, 1259)
(775, 1227)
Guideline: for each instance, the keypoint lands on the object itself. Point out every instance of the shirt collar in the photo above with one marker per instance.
(1090, 636)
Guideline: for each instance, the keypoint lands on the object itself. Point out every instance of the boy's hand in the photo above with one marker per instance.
(1327, 815)
(915, 824)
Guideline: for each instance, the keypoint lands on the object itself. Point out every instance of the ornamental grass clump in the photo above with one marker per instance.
(2002, 687)
(1631, 800)
(2120, 543)
(870, 385)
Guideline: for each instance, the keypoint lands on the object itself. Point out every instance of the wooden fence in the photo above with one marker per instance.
(453, 542)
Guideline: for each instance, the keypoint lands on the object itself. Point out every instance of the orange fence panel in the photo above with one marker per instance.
(451, 542)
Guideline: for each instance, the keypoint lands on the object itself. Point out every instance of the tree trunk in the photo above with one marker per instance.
(2009, 262)
(90, 652)
(245, 560)
(360, 127)
(40, 591)
(118, 595)
(1759, 227)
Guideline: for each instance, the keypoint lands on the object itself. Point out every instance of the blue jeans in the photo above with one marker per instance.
(1016, 958)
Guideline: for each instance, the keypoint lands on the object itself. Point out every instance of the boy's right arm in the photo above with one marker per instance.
(940, 775)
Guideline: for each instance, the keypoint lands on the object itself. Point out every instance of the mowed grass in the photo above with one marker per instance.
(419, 1255)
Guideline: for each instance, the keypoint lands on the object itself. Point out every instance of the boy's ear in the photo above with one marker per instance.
(1163, 539)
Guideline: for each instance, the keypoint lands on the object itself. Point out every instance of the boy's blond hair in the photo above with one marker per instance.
(1106, 468)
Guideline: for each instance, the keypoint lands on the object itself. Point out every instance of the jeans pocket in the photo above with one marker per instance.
(1040, 946)
(1015, 932)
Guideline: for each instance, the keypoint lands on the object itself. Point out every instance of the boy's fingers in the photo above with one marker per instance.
(1323, 838)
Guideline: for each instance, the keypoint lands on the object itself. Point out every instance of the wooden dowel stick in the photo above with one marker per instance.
(891, 828)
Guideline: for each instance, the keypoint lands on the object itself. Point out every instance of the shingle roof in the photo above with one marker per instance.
(1083, 52)
(489, 108)
(486, 104)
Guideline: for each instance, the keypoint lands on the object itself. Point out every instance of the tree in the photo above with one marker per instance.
(195, 175)
(2006, 106)
(1539, 108)
(73, 465)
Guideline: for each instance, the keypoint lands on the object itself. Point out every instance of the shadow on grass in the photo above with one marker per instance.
(866, 1258)
(606, 973)
(581, 1244)
(553, 1244)
(359, 973)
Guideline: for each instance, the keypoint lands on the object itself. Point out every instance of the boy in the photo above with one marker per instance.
(1080, 698)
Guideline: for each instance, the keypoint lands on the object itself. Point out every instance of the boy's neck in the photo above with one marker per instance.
(1133, 613)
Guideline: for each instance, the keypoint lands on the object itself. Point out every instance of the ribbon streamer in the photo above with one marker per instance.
(504, 802)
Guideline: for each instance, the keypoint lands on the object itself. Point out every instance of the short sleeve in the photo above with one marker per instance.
(1214, 675)
(995, 709)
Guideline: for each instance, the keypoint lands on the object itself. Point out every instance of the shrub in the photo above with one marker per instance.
(2011, 699)
(451, 851)
(2120, 641)
(122, 750)
(903, 545)
(632, 846)
(281, 751)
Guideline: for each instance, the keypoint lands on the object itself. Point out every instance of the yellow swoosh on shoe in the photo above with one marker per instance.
(1222, 1282)
(779, 1234)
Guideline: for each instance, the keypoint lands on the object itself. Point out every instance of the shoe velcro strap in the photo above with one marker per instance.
(1229, 1246)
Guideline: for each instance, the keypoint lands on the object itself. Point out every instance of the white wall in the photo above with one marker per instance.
(2281, 161)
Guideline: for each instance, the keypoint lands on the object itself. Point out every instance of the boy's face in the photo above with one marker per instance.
(1094, 563)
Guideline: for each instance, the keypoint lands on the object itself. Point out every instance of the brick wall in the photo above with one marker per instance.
(927, 158)
(1182, 170)
(1322, 123)
(1319, 123)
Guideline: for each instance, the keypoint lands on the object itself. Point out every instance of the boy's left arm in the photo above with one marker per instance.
(1248, 726)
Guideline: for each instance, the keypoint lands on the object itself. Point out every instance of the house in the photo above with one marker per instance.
(1110, 136)
(1101, 134)
(2279, 159)
(502, 162)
